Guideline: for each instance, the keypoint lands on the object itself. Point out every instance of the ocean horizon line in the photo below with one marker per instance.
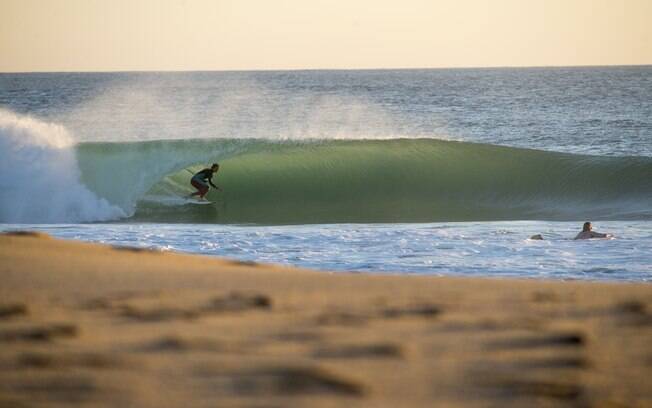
(258, 70)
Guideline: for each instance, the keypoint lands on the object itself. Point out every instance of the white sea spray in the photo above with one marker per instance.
(39, 177)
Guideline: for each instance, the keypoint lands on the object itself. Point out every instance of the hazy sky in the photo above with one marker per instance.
(110, 35)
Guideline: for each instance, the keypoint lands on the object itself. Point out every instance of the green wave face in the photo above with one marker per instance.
(344, 181)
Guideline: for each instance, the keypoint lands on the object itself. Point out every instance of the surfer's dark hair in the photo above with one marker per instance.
(215, 165)
(586, 226)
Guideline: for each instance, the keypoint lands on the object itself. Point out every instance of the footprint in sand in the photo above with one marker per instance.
(233, 302)
(9, 310)
(283, 381)
(363, 351)
(633, 313)
(44, 360)
(38, 333)
(571, 339)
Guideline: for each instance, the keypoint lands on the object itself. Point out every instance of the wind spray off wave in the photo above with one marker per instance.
(39, 177)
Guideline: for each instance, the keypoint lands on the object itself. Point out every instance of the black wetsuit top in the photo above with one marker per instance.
(204, 175)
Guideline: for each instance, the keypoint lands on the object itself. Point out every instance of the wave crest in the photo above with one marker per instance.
(39, 177)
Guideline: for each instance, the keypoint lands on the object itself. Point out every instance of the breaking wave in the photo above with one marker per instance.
(335, 181)
(39, 177)
(45, 177)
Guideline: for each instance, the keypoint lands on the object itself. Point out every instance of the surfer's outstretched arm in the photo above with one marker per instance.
(587, 233)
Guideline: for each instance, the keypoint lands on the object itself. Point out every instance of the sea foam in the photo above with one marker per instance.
(39, 177)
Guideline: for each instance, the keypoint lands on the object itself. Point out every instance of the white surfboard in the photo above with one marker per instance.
(199, 202)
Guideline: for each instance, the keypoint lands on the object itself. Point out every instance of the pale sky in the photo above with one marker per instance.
(133, 35)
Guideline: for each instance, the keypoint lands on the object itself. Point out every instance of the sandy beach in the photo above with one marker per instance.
(92, 325)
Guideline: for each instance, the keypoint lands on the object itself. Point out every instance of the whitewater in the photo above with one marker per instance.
(433, 171)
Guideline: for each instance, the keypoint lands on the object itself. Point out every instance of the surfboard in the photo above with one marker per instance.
(199, 202)
(191, 200)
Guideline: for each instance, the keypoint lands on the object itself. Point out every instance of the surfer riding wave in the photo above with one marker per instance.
(202, 179)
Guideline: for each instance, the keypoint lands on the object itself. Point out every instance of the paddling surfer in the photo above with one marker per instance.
(202, 179)
(587, 233)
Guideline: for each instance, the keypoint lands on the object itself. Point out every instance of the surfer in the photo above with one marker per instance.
(199, 181)
(587, 233)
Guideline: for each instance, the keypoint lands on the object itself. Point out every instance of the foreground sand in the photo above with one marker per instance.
(90, 325)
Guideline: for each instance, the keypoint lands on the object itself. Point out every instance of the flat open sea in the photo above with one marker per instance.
(441, 172)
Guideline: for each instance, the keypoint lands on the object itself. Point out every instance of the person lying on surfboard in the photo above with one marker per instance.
(588, 233)
(199, 181)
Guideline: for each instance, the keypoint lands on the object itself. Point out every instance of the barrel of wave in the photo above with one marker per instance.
(39, 176)
(423, 180)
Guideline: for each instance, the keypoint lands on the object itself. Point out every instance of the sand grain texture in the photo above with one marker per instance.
(95, 326)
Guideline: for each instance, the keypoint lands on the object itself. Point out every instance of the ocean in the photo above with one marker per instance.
(439, 171)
